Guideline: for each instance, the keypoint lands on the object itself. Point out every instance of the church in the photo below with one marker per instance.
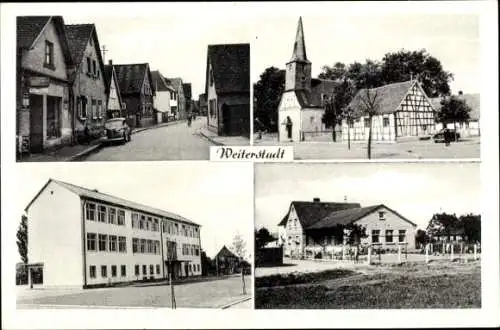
(302, 104)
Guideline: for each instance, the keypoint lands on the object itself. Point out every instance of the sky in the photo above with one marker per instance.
(218, 196)
(415, 190)
(173, 37)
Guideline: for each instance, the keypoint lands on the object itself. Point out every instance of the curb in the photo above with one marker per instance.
(210, 139)
(236, 302)
(158, 126)
(84, 153)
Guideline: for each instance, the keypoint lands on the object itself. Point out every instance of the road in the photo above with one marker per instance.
(173, 142)
(208, 294)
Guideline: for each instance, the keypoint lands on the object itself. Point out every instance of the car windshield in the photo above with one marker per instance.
(114, 124)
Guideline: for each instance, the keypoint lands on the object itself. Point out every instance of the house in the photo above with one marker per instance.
(80, 237)
(88, 90)
(180, 97)
(301, 107)
(470, 127)
(454, 234)
(316, 224)
(401, 110)
(43, 102)
(227, 86)
(227, 262)
(186, 88)
(162, 97)
(137, 92)
(203, 104)
(115, 106)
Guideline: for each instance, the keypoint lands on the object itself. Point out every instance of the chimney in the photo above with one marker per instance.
(460, 93)
(95, 190)
(345, 198)
(110, 62)
(316, 199)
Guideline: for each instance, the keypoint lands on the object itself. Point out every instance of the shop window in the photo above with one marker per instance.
(53, 129)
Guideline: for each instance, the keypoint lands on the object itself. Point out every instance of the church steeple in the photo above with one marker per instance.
(298, 69)
(299, 48)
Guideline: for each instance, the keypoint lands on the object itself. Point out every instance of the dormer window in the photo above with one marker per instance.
(381, 215)
(49, 55)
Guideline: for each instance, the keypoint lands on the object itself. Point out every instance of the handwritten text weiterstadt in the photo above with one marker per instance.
(262, 154)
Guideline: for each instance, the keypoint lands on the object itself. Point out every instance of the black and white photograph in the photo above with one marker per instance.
(134, 241)
(157, 88)
(369, 87)
(367, 236)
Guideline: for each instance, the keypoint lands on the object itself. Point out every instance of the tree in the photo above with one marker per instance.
(22, 239)
(471, 224)
(421, 237)
(441, 223)
(453, 110)
(262, 237)
(369, 106)
(405, 65)
(334, 107)
(336, 72)
(267, 95)
(239, 246)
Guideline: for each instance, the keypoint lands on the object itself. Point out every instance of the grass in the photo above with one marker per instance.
(439, 285)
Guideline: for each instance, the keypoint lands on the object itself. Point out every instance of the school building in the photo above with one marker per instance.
(80, 237)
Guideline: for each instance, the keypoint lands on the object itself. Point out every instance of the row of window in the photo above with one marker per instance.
(103, 242)
(137, 270)
(145, 246)
(173, 96)
(189, 249)
(104, 271)
(144, 222)
(184, 230)
(86, 104)
(389, 236)
(92, 68)
(102, 213)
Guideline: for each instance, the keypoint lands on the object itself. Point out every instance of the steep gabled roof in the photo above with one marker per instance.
(176, 84)
(231, 68)
(389, 97)
(78, 37)
(131, 76)
(312, 212)
(98, 196)
(109, 75)
(226, 253)
(159, 81)
(472, 100)
(299, 47)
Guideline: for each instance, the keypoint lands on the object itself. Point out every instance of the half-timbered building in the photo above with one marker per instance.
(470, 127)
(115, 106)
(400, 110)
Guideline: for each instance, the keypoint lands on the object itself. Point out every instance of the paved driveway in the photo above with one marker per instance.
(211, 294)
(173, 142)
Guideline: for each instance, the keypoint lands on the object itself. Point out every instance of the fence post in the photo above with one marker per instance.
(427, 253)
(343, 252)
(451, 255)
(369, 259)
(399, 253)
(475, 252)
(444, 246)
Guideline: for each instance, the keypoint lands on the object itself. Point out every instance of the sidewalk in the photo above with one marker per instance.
(223, 140)
(79, 151)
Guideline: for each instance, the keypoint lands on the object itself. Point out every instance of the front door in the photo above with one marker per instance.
(36, 123)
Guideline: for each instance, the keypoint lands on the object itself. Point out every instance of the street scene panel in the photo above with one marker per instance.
(367, 236)
(103, 242)
(82, 95)
(403, 95)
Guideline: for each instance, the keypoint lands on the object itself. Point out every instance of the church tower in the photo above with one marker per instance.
(298, 69)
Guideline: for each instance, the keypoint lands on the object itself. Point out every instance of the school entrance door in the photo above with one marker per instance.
(36, 123)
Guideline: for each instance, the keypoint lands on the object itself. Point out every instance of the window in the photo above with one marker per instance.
(82, 107)
(101, 214)
(135, 218)
(163, 227)
(136, 270)
(141, 222)
(121, 218)
(94, 67)
(211, 108)
(113, 271)
(386, 122)
(144, 270)
(92, 271)
(112, 215)
(94, 109)
(381, 215)
(90, 211)
(190, 268)
(91, 241)
(143, 245)
(53, 129)
(149, 245)
(103, 240)
(375, 236)
(198, 266)
(197, 251)
(104, 271)
(183, 230)
(122, 244)
(155, 225)
(89, 65)
(123, 270)
(148, 223)
(112, 243)
(135, 245)
(388, 236)
(99, 109)
(157, 269)
(177, 229)
(367, 122)
(151, 270)
(402, 236)
(49, 54)
(350, 123)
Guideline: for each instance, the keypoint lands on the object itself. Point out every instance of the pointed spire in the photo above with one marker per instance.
(299, 48)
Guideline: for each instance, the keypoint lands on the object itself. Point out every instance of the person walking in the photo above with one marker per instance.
(189, 120)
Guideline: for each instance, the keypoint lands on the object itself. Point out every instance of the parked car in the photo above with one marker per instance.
(446, 134)
(117, 129)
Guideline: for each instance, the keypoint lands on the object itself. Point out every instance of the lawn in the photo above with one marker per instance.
(413, 285)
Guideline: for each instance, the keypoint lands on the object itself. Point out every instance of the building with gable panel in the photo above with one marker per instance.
(115, 106)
